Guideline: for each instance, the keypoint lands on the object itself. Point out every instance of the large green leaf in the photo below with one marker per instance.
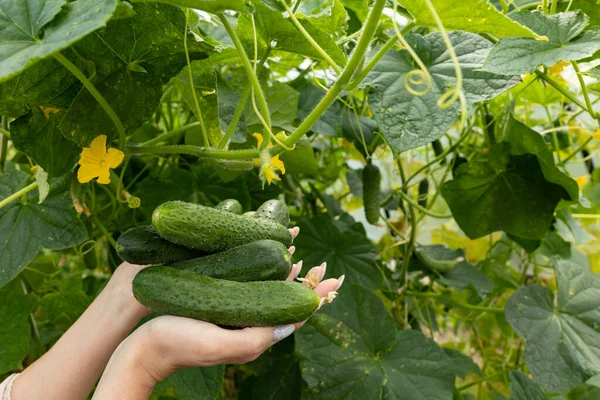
(463, 364)
(36, 135)
(14, 330)
(590, 7)
(348, 253)
(352, 349)
(477, 16)
(274, 30)
(134, 57)
(211, 6)
(562, 334)
(35, 30)
(515, 187)
(204, 80)
(66, 304)
(25, 228)
(283, 103)
(198, 383)
(523, 388)
(409, 121)
(46, 84)
(514, 56)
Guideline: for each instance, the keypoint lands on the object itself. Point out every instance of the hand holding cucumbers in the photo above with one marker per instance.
(240, 278)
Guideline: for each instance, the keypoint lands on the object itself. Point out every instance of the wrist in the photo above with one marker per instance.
(119, 299)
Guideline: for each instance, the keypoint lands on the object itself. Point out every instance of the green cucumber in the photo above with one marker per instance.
(371, 178)
(231, 205)
(211, 230)
(249, 214)
(263, 260)
(237, 304)
(275, 210)
(142, 245)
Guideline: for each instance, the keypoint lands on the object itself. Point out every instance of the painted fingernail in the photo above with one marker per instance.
(294, 231)
(292, 249)
(299, 268)
(340, 282)
(323, 270)
(281, 332)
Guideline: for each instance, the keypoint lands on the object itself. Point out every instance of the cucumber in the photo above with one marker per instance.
(236, 304)
(275, 210)
(142, 245)
(263, 260)
(211, 230)
(249, 213)
(231, 205)
(371, 178)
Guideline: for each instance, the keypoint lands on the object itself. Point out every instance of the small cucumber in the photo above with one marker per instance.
(263, 260)
(142, 245)
(371, 178)
(231, 205)
(211, 230)
(275, 210)
(237, 304)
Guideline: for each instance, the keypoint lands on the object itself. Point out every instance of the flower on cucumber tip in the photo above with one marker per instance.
(96, 161)
(269, 166)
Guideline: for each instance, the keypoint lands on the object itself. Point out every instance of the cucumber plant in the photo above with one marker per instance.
(468, 259)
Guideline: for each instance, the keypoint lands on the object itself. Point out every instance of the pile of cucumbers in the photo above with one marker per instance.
(218, 265)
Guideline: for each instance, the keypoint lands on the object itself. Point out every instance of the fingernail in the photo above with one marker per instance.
(299, 266)
(340, 282)
(323, 270)
(281, 332)
(292, 249)
(295, 232)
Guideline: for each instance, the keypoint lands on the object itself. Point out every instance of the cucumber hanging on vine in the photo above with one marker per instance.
(371, 178)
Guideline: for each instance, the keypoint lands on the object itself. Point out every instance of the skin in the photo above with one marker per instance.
(101, 343)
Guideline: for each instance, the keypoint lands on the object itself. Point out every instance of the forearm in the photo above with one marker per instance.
(73, 365)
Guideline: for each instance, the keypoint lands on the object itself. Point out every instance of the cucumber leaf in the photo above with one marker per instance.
(515, 187)
(352, 349)
(211, 6)
(514, 56)
(346, 253)
(561, 334)
(467, 15)
(523, 388)
(32, 31)
(15, 329)
(198, 383)
(409, 121)
(463, 364)
(36, 135)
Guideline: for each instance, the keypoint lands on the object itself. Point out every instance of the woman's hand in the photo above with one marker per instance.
(168, 343)
(71, 368)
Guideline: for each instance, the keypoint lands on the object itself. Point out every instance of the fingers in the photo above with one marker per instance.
(314, 276)
(292, 250)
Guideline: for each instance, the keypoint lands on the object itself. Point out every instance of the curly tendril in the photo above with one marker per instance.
(416, 77)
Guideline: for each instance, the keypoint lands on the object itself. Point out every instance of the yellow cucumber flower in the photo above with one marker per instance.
(96, 162)
(268, 165)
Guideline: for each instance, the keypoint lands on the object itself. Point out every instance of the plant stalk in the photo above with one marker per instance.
(18, 194)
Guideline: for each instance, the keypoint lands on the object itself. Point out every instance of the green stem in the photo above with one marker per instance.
(496, 310)
(192, 85)
(104, 231)
(96, 94)
(236, 117)
(262, 102)
(574, 153)
(561, 89)
(553, 6)
(343, 79)
(421, 208)
(584, 90)
(413, 229)
(545, 6)
(4, 149)
(18, 194)
(5, 132)
(310, 39)
(195, 151)
(167, 135)
(484, 379)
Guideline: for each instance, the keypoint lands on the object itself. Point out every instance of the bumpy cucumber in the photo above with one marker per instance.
(142, 245)
(263, 260)
(275, 210)
(239, 304)
(231, 205)
(249, 213)
(212, 230)
(371, 178)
